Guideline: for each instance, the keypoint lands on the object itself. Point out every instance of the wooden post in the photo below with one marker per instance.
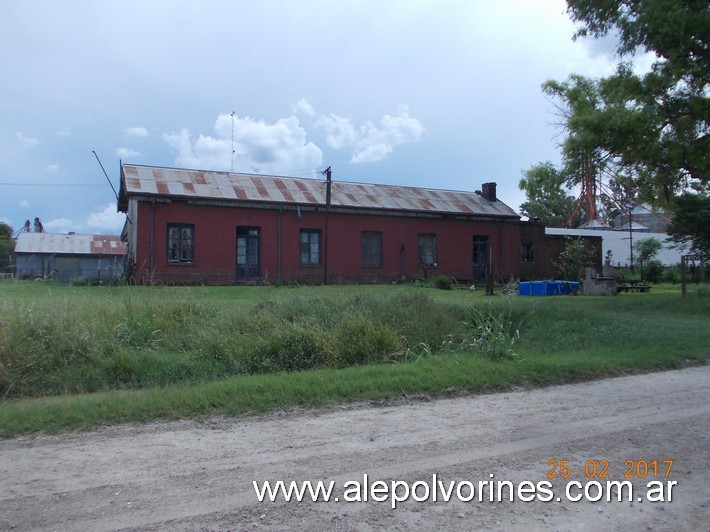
(328, 174)
(489, 277)
(683, 261)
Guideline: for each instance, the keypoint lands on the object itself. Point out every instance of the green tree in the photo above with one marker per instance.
(587, 161)
(646, 250)
(7, 246)
(547, 199)
(690, 226)
(577, 255)
(6, 231)
(657, 123)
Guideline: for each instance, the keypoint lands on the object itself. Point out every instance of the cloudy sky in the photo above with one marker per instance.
(441, 93)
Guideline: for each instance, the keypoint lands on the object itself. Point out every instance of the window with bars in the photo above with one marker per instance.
(180, 243)
(310, 246)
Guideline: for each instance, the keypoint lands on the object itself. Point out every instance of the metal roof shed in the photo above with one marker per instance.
(67, 257)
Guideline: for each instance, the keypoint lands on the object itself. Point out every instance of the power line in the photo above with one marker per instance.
(50, 184)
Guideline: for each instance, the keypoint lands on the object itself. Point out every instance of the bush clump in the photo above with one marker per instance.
(442, 282)
(74, 347)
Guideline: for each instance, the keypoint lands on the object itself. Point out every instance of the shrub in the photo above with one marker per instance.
(488, 330)
(361, 340)
(653, 271)
(442, 282)
(671, 274)
(293, 347)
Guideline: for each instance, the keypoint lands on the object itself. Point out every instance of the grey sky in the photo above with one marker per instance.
(441, 93)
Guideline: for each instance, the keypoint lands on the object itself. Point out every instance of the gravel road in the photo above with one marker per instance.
(199, 475)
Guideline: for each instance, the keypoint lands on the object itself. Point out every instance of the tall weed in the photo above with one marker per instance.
(490, 330)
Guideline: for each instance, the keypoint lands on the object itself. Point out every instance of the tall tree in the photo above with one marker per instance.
(587, 161)
(578, 254)
(5, 231)
(690, 226)
(646, 250)
(657, 123)
(7, 246)
(547, 199)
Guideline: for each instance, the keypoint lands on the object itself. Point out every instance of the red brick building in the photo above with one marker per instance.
(191, 226)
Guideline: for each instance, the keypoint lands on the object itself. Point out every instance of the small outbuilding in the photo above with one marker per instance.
(69, 257)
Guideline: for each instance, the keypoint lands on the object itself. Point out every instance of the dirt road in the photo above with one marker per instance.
(187, 476)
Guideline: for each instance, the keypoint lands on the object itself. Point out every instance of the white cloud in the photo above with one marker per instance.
(24, 204)
(375, 143)
(30, 142)
(339, 131)
(52, 168)
(135, 131)
(107, 220)
(259, 147)
(371, 143)
(61, 225)
(63, 133)
(126, 153)
(304, 107)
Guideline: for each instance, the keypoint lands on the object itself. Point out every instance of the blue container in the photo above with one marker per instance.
(525, 288)
(552, 288)
(568, 287)
(547, 288)
(536, 288)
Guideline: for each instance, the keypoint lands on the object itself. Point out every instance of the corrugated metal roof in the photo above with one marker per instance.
(63, 244)
(225, 186)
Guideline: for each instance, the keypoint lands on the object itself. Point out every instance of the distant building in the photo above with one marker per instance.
(619, 245)
(192, 226)
(67, 257)
(645, 218)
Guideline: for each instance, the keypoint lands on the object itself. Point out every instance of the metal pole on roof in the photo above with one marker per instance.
(328, 182)
(232, 154)
(107, 178)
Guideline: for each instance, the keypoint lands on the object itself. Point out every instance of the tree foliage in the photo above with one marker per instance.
(547, 199)
(577, 255)
(5, 231)
(690, 226)
(656, 123)
(645, 250)
(586, 160)
(7, 246)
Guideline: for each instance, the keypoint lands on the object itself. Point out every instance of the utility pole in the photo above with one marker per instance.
(631, 236)
(328, 182)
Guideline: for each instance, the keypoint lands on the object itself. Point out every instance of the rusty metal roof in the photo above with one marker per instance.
(225, 186)
(66, 244)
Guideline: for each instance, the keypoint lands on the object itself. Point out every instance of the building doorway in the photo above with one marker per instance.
(248, 261)
(480, 258)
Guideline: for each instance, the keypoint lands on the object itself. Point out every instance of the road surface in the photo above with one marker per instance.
(199, 475)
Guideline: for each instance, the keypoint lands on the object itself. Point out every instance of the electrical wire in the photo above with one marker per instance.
(51, 184)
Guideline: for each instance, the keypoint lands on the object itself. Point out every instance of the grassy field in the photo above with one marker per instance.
(76, 357)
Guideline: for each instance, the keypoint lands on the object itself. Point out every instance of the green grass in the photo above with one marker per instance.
(79, 357)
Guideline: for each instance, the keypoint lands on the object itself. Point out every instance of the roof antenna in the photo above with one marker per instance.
(107, 178)
(232, 155)
(109, 182)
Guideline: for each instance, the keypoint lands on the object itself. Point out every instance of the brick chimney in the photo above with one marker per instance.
(489, 191)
